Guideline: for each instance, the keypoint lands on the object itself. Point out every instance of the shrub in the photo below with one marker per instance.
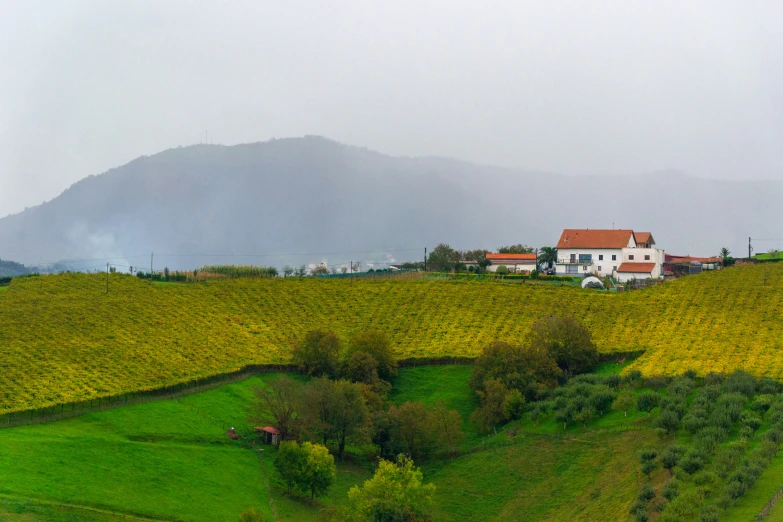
(671, 490)
(656, 382)
(502, 270)
(695, 421)
(739, 382)
(692, 462)
(648, 467)
(647, 493)
(709, 513)
(647, 401)
(648, 454)
(668, 420)
(670, 458)
(750, 420)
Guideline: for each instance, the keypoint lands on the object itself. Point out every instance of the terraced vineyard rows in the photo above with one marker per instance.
(62, 339)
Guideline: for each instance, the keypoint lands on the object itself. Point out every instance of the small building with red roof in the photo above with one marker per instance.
(270, 434)
(516, 263)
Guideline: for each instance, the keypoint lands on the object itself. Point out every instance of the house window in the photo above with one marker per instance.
(584, 268)
(614, 268)
(585, 258)
(630, 258)
(599, 268)
(600, 257)
(571, 269)
(614, 257)
(647, 257)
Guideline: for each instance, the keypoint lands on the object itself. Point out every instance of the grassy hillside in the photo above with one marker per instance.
(65, 339)
(170, 460)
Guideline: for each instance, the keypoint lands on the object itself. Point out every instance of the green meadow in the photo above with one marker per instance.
(170, 460)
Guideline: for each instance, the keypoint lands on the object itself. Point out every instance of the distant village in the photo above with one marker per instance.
(624, 255)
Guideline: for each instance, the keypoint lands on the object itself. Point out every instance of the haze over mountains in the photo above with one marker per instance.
(305, 200)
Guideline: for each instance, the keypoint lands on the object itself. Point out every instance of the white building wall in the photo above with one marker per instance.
(528, 266)
(612, 259)
(607, 265)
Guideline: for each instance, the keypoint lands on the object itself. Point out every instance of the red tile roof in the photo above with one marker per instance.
(519, 257)
(643, 237)
(576, 238)
(688, 259)
(636, 268)
(268, 429)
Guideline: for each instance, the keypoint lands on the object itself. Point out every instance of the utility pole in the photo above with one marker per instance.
(425, 259)
(152, 254)
(107, 278)
(749, 249)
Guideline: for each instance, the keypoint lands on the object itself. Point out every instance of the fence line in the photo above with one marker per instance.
(73, 409)
(768, 507)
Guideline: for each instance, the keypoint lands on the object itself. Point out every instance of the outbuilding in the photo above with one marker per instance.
(271, 435)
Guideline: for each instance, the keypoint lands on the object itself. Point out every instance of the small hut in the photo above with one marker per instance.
(232, 434)
(271, 435)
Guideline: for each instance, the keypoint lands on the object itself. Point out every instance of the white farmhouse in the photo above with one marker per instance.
(516, 263)
(622, 254)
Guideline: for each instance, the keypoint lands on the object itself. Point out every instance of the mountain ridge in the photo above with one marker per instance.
(312, 194)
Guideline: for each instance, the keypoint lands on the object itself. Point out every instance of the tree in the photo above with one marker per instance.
(569, 342)
(288, 270)
(492, 411)
(502, 270)
(251, 514)
(301, 271)
(318, 353)
(547, 257)
(647, 401)
(530, 370)
(442, 258)
(319, 470)
(360, 367)
(335, 410)
(669, 421)
(378, 345)
(514, 405)
(290, 462)
(395, 493)
(724, 253)
(516, 249)
(319, 270)
(413, 426)
(624, 402)
(277, 405)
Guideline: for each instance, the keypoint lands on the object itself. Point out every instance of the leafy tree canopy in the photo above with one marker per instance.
(318, 353)
(516, 249)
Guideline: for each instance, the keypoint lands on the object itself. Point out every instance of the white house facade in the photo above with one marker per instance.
(621, 254)
(516, 263)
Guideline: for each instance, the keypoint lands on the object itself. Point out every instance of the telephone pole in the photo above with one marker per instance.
(107, 278)
(425, 259)
(749, 249)
(152, 254)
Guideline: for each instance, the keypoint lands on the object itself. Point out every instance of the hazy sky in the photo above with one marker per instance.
(573, 87)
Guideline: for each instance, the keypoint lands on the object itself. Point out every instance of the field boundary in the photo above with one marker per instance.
(69, 410)
(81, 507)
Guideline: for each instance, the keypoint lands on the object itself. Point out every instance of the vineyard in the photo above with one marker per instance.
(64, 339)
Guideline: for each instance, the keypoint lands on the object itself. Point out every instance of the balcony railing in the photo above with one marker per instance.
(577, 261)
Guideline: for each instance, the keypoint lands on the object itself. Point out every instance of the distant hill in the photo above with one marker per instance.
(12, 269)
(333, 202)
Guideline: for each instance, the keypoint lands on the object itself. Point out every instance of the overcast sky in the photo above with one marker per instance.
(573, 87)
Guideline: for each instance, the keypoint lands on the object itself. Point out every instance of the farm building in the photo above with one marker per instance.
(516, 263)
(583, 252)
(677, 266)
(271, 435)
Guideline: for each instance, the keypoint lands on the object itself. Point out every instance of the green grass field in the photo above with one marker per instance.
(169, 459)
